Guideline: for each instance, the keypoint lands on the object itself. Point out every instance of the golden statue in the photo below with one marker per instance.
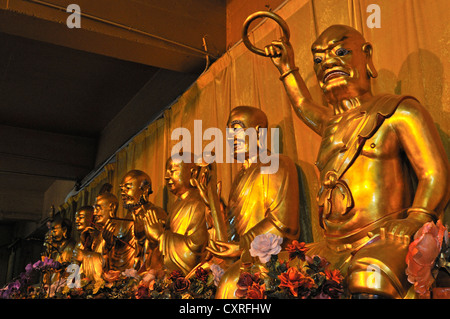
(181, 236)
(61, 240)
(258, 202)
(87, 252)
(59, 246)
(372, 147)
(135, 188)
(118, 242)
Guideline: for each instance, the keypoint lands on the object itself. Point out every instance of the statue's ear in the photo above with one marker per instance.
(112, 210)
(368, 50)
(146, 187)
(261, 136)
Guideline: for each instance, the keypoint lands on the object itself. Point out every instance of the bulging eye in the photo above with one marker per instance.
(317, 60)
(342, 52)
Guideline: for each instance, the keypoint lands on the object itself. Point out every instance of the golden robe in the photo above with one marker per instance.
(258, 204)
(121, 254)
(185, 236)
(89, 254)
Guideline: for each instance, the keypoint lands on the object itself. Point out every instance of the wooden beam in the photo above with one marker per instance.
(165, 34)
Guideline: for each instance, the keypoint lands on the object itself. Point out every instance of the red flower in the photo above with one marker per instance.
(297, 249)
(142, 292)
(422, 254)
(295, 281)
(202, 274)
(175, 274)
(256, 291)
(245, 281)
(181, 284)
(334, 275)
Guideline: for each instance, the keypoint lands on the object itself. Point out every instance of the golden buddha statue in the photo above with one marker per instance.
(184, 236)
(258, 202)
(372, 147)
(87, 252)
(135, 188)
(118, 243)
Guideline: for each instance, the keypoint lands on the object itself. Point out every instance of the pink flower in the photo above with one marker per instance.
(131, 273)
(265, 245)
(217, 272)
(422, 254)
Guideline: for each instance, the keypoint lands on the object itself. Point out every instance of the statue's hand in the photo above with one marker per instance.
(85, 237)
(153, 227)
(282, 55)
(108, 232)
(401, 230)
(224, 250)
(202, 188)
(206, 182)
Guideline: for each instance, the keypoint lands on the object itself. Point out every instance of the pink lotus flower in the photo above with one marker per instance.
(422, 254)
(265, 245)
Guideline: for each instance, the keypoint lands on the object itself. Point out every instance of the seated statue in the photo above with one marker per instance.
(135, 188)
(86, 252)
(372, 147)
(184, 236)
(118, 243)
(60, 245)
(258, 202)
(61, 237)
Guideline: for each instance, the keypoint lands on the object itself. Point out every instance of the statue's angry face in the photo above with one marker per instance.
(342, 63)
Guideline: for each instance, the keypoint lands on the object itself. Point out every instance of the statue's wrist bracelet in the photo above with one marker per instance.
(285, 74)
(417, 210)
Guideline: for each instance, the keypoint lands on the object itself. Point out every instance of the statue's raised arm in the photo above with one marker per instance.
(282, 55)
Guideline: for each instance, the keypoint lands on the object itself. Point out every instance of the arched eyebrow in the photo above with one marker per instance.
(237, 122)
(331, 44)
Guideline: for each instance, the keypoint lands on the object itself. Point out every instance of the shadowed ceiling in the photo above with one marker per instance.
(68, 96)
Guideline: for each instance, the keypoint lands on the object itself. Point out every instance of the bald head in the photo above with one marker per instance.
(337, 33)
(247, 116)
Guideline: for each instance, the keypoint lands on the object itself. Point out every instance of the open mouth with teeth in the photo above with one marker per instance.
(334, 74)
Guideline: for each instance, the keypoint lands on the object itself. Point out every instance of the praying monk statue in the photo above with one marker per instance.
(372, 146)
(259, 202)
(61, 236)
(184, 236)
(62, 245)
(135, 189)
(86, 252)
(117, 244)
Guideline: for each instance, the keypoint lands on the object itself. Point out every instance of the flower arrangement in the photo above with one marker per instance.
(25, 285)
(308, 278)
(202, 285)
(428, 254)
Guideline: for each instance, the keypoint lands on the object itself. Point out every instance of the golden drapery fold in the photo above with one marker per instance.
(410, 54)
